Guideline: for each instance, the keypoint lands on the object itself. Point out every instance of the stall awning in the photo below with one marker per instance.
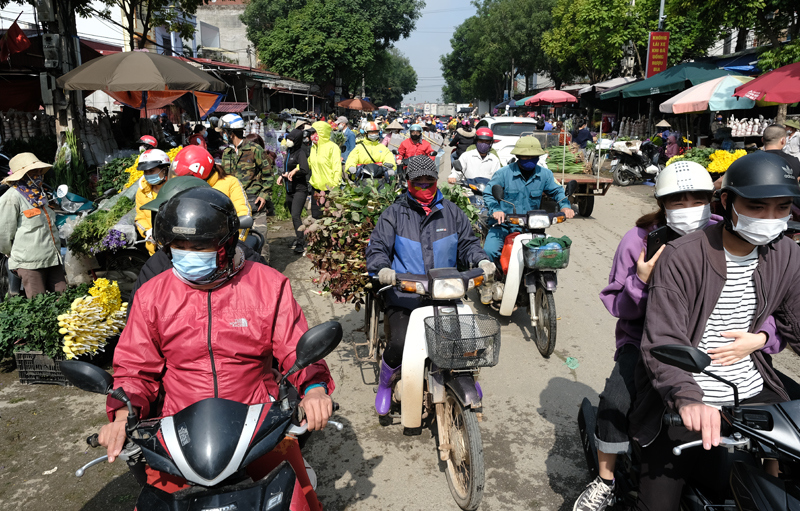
(608, 84)
(744, 63)
(231, 107)
(616, 91)
(675, 79)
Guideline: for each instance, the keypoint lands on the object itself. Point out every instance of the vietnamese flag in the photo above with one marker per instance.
(13, 41)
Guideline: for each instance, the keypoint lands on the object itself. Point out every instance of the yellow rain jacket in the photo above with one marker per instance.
(231, 187)
(144, 219)
(325, 159)
(364, 149)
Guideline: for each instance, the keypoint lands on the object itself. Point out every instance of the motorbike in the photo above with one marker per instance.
(529, 272)
(474, 189)
(628, 166)
(446, 345)
(255, 240)
(211, 443)
(750, 433)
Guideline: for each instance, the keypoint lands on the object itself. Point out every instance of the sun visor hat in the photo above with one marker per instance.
(760, 175)
(23, 163)
(528, 146)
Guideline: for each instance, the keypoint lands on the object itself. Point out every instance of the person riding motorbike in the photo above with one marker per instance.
(343, 125)
(415, 145)
(325, 161)
(480, 162)
(728, 277)
(683, 192)
(154, 164)
(422, 230)
(147, 142)
(464, 138)
(370, 150)
(199, 135)
(247, 162)
(524, 182)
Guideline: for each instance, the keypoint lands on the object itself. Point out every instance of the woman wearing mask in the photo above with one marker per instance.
(464, 138)
(370, 150)
(154, 164)
(683, 191)
(28, 233)
(295, 176)
(414, 145)
(325, 162)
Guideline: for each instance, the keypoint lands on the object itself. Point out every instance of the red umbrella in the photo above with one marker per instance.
(357, 104)
(781, 85)
(551, 97)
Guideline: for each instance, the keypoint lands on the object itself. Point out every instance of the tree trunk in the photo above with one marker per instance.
(741, 39)
(781, 117)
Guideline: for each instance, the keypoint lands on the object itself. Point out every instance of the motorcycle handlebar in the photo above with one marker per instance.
(672, 419)
(92, 441)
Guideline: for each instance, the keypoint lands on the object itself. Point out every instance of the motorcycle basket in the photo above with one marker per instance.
(546, 254)
(463, 341)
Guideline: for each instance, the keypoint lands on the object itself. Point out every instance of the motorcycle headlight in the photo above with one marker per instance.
(538, 221)
(448, 289)
(481, 187)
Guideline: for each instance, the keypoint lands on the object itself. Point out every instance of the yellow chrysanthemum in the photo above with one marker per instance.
(721, 159)
(92, 319)
(675, 158)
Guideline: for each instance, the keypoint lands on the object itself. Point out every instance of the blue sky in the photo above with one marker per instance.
(429, 41)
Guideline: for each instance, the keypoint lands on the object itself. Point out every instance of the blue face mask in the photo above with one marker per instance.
(205, 134)
(225, 137)
(192, 265)
(153, 179)
(528, 164)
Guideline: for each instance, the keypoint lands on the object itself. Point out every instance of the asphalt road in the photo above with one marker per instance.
(532, 451)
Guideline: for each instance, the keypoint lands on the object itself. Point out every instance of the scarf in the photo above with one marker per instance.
(32, 192)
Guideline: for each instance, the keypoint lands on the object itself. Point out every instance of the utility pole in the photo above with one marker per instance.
(249, 53)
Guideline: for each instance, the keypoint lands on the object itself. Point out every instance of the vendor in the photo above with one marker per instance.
(154, 163)
(28, 233)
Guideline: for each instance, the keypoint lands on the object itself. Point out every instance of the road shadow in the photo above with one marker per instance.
(118, 495)
(565, 464)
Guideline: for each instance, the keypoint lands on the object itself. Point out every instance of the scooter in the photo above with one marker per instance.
(210, 444)
(529, 273)
(254, 240)
(750, 433)
(446, 345)
(628, 166)
(474, 188)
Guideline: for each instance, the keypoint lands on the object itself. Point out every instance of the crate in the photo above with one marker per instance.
(36, 367)
(463, 341)
(547, 257)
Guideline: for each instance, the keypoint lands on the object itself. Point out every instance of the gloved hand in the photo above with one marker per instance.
(148, 236)
(488, 268)
(387, 277)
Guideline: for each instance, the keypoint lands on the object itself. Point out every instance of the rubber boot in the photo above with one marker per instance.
(383, 399)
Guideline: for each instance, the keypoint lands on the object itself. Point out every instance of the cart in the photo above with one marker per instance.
(589, 187)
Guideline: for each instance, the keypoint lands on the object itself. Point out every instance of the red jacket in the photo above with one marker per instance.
(408, 149)
(167, 342)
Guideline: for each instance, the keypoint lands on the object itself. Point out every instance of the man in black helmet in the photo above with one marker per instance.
(707, 288)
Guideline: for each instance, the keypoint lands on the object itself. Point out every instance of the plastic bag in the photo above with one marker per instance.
(126, 226)
(78, 268)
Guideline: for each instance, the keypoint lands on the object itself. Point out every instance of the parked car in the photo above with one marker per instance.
(507, 131)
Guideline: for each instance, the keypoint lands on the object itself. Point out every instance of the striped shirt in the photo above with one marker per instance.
(734, 311)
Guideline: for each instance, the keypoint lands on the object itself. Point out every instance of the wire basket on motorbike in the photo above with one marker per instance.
(463, 341)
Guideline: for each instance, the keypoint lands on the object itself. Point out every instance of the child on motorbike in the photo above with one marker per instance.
(683, 192)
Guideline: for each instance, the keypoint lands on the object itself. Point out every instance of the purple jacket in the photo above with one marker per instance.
(625, 297)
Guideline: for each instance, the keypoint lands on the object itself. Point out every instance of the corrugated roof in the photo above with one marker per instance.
(231, 107)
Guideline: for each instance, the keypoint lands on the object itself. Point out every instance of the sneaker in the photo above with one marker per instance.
(596, 497)
(299, 249)
(293, 245)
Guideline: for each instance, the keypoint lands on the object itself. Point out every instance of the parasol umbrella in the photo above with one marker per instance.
(781, 85)
(716, 94)
(551, 97)
(357, 104)
(387, 108)
(512, 103)
(138, 71)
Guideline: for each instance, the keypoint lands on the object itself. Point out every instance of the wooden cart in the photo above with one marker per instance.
(589, 186)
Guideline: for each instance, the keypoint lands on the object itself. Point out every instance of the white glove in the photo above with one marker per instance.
(488, 268)
(148, 236)
(387, 277)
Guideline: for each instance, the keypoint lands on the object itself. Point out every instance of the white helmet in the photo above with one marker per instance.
(231, 122)
(152, 158)
(683, 176)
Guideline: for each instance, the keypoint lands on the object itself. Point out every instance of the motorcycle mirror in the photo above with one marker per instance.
(432, 153)
(245, 222)
(572, 187)
(394, 152)
(498, 192)
(109, 192)
(687, 358)
(62, 191)
(317, 343)
(87, 376)
(457, 166)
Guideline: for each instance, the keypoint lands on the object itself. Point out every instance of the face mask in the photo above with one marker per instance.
(306, 140)
(192, 265)
(687, 220)
(759, 231)
(225, 137)
(205, 134)
(528, 164)
(423, 193)
(315, 138)
(416, 138)
(373, 136)
(483, 147)
(37, 180)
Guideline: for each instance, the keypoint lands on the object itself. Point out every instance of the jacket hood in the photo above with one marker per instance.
(465, 133)
(296, 138)
(324, 130)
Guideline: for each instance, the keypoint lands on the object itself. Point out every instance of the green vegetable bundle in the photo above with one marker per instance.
(700, 156)
(561, 156)
(32, 325)
(89, 233)
(113, 175)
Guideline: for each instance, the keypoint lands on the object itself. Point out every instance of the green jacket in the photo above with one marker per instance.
(30, 243)
(251, 167)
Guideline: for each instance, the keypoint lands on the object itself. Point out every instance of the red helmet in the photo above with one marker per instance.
(194, 161)
(485, 135)
(149, 140)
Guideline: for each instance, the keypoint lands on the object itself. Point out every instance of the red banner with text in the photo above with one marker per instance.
(657, 51)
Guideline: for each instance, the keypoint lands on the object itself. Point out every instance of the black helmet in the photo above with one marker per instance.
(202, 215)
(760, 175)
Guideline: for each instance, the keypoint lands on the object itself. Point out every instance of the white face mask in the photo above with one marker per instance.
(687, 220)
(759, 231)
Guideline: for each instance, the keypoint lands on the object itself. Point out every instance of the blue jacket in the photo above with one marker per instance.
(408, 241)
(349, 142)
(525, 195)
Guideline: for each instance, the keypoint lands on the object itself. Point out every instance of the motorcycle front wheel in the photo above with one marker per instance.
(465, 473)
(542, 309)
(622, 175)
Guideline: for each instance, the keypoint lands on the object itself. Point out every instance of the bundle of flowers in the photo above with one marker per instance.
(721, 160)
(92, 319)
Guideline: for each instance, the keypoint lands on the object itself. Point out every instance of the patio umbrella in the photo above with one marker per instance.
(511, 104)
(674, 79)
(388, 108)
(779, 86)
(138, 71)
(357, 104)
(551, 97)
(716, 94)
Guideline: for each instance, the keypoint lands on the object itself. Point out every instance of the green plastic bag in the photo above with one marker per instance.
(547, 253)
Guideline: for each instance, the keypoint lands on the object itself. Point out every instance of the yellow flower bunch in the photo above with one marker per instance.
(134, 174)
(675, 158)
(721, 159)
(92, 319)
